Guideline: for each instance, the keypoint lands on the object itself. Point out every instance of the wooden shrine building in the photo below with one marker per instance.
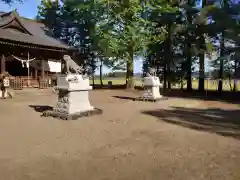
(26, 39)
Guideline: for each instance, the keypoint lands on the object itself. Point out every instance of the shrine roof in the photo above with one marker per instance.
(19, 31)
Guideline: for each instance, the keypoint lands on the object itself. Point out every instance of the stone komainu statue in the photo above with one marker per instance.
(151, 72)
(71, 67)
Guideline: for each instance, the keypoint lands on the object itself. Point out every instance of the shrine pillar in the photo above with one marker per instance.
(35, 73)
(3, 64)
(42, 69)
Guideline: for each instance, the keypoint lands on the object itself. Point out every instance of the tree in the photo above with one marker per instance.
(202, 48)
(189, 11)
(226, 33)
(12, 1)
(74, 22)
(126, 32)
(171, 35)
(49, 14)
(161, 16)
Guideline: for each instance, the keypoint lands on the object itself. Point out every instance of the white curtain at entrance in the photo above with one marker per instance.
(49, 65)
(54, 66)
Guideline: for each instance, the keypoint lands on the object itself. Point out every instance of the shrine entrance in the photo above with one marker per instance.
(15, 67)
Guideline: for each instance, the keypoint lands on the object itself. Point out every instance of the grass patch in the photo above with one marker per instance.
(209, 84)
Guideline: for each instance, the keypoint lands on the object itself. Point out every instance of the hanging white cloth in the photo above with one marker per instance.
(22, 63)
(49, 65)
(26, 62)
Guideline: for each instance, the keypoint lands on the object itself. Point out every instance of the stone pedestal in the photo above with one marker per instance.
(151, 89)
(73, 98)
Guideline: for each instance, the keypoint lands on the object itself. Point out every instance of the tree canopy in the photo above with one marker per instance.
(173, 36)
(11, 1)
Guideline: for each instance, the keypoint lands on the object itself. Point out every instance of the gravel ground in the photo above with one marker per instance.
(126, 142)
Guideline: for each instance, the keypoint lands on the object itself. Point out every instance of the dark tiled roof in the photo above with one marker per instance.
(35, 32)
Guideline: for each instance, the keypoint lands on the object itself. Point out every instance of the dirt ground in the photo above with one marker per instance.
(174, 139)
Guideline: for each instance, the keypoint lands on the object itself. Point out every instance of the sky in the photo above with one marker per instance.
(28, 9)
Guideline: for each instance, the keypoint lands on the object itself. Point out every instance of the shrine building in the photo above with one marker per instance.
(27, 50)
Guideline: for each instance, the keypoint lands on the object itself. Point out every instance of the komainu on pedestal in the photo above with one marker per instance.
(73, 93)
(151, 85)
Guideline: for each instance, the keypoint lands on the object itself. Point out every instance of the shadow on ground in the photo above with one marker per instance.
(225, 96)
(214, 120)
(124, 97)
(112, 87)
(41, 108)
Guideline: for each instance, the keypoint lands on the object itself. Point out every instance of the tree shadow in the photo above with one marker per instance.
(112, 87)
(225, 96)
(41, 108)
(214, 120)
(124, 97)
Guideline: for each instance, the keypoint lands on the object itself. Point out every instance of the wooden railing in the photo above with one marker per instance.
(44, 83)
(16, 83)
(21, 82)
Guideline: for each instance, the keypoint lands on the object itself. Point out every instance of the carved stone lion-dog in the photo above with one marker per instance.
(151, 72)
(71, 66)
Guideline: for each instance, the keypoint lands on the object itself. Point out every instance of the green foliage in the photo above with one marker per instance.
(170, 35)
(193, 36)
(12, 1)
(49, 13)
(124, 28)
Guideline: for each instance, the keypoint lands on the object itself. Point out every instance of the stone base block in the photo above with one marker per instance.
(148, 99)
(65, 116)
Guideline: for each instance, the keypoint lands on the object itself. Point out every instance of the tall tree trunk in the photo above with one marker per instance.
(93, 70)
(235, 76)
(222, 52)
(168, 54)
(189, 53)
(189, 73)
(181, 83)
(182, 76)
(220, 76)
(101, 75)
(93, 80)
(201, 72)
(130, 75)
(202, 56)
(164, 76)
(169, 77)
